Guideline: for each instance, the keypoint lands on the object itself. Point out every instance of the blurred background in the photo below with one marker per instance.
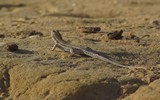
(90, 8)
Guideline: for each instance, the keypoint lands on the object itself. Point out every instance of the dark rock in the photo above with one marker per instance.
(116, 35)
(33, 32)
(89, 29)
(11, 47)
(2, 35)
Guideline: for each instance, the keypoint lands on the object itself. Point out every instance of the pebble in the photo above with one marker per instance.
(116, 35)
(158, 65)
(33, 32)
(27, 33)
(34, 36)
(155, 22)
(128, 89)
(2, 44)
(11, 46)
(2, 35)
(89, 29)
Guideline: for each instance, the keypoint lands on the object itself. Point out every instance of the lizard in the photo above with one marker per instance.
(59, 42)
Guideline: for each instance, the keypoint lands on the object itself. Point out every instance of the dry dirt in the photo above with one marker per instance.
(34, 72)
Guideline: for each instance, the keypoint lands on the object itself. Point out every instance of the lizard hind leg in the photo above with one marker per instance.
(76, 51)
(72, 51)
(88, 48)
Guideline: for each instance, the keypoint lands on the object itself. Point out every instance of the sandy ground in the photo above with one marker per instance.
(20, 70)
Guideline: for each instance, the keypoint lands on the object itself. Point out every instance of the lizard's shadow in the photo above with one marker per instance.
(125, 57)
(22, 51)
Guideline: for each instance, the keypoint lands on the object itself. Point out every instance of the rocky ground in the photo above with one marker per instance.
(34, 72)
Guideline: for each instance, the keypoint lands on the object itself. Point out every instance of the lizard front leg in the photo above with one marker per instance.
(54, 47)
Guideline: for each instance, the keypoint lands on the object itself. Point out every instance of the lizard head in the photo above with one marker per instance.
(56, 34)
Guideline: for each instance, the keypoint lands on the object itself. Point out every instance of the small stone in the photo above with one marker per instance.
(27, 33)
(2, 44)
(146, 19)
(128, 89)
(34, 36)
(89, 29)
(2, 35)
(32, 22)
(33, 32)
(116, 35)
(155, 22)
(158, 65)
(151, 78)
(11, 47)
